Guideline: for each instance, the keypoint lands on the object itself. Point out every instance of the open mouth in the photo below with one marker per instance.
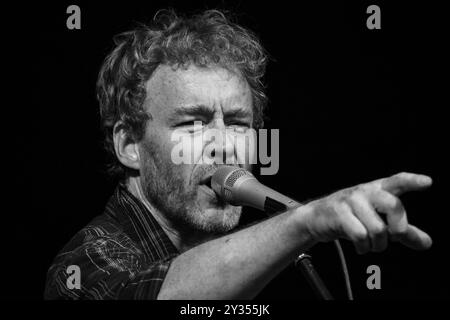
(207, 182)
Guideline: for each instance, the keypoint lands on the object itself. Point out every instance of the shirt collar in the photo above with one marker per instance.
(139, 223)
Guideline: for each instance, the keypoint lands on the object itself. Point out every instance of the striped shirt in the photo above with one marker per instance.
(122, 254)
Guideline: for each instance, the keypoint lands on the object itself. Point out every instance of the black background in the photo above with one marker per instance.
(352, 105)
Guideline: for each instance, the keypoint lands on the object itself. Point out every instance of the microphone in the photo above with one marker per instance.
(239, 187)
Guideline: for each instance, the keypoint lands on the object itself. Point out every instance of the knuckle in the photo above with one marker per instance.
(336, 207)
(379, 230)
(368, 188)
(354, 197)
(344, 194)
(353, 194)
(358, 193)
(395, 204)
(391, 201)
(360, 236)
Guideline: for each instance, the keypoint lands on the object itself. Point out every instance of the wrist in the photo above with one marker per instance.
(298, 219)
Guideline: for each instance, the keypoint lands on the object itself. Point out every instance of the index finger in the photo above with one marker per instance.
(404, 182)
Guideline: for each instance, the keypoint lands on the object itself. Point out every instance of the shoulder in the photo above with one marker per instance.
(102, 236)
(99, 250)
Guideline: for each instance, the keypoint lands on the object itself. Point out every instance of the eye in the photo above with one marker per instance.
(191, 123)
(191, 126)
(239, 125)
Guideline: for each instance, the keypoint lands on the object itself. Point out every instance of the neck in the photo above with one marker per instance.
(183, 241)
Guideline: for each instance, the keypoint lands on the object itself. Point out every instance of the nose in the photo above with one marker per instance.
(219, 144)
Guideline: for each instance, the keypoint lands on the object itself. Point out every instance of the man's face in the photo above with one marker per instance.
(176, 98)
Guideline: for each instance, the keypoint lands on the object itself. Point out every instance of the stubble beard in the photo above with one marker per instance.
(165, 188)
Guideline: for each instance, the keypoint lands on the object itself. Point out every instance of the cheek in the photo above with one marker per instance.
(181, 170)
(155, 148)
(157, 158)
(197, 147)
(185, 148)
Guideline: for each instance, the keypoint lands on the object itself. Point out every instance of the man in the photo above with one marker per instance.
(165, 233)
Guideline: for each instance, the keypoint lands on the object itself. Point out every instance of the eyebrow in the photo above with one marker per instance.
(195, 110)
(208, 113)
(238, 113)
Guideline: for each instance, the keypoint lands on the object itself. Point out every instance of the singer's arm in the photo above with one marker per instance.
(236, 266)
(239, 265)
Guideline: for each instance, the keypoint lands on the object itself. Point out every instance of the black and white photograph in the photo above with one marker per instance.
(250, 153)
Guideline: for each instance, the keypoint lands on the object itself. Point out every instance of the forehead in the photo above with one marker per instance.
(214, 87)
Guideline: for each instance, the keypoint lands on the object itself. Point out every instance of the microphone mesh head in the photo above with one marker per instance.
(224, 179)
(234, 176)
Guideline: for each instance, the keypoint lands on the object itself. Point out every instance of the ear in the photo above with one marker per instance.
(126, 148)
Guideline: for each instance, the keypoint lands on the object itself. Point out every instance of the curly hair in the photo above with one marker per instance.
(206, 39)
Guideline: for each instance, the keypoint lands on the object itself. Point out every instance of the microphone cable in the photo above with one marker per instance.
(344, 269)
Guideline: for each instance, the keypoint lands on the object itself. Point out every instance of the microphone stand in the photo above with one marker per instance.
(303, 261)
(304, 264)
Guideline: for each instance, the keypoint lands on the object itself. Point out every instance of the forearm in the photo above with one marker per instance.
(238, 265)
